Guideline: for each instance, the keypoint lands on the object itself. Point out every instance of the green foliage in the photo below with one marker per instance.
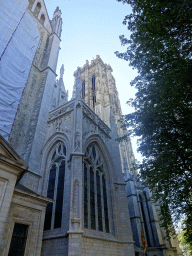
(160, 48)
(186, 247)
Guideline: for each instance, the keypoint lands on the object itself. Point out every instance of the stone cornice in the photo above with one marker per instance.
(111, 239)
(75, 154)
(32, 197)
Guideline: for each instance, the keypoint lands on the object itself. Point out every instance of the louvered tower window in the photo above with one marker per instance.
(96, 214)
(93, 83)
(93, 90)
(55, 190)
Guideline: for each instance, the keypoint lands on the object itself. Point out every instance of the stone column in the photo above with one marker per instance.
(123, 220)
(75, 226)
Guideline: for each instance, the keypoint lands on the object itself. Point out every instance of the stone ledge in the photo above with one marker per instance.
(108, 239)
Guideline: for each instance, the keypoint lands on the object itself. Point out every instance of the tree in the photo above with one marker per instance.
(160, 48)
(186, 248)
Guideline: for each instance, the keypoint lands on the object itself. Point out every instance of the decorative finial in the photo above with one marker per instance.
(62, 71)
(56, 10)
(78, 82)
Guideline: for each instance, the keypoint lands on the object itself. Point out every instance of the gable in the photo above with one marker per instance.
(8, 154)
(5, 152)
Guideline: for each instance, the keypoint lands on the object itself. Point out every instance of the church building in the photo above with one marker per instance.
(68, 186)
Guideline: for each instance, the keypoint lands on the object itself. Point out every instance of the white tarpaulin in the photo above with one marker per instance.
(19, 39)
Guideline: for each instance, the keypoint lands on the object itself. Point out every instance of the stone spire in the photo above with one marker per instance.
(62, 72)
(56, 22)
(57, 10)
(62, 94)
(78, 84)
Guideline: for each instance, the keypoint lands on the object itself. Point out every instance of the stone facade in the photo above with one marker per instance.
(18, 205)
(96, 205)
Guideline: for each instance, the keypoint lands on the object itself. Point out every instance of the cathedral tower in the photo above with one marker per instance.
(99, 92)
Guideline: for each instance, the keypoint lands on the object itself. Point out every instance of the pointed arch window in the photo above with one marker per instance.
(96, 214)
(55, 189)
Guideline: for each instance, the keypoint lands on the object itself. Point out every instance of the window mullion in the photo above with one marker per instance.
(85, 205)
(55, 195)
(96, 206)
(102, 202)
(92, 198)
(88, 196)
(105, 199)
(59, 198)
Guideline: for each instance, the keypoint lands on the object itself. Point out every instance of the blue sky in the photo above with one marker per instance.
(90, 28)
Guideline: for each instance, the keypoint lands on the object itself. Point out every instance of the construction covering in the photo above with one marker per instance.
(19, 39)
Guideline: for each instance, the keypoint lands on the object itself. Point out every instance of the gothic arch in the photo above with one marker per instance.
(54, 182)
(97, 174)
(103, 149)
(51, 141)
(47, 151)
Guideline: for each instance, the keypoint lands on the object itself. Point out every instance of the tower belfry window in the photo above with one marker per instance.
(93, 83)
(94, 99)
(83, 89)
(96, 214)
(93, 90)
(55, 189)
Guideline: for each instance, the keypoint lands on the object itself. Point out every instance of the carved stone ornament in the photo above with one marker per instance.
(78, 105)
(61, 111)
(77, 141)
(93, 117)
(58, 124)
(69, 165)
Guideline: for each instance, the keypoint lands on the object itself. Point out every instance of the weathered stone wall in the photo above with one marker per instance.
(7, 184)
(26, 210)
(27, 112)
(95, 247)
(55, 246)
(29, 129)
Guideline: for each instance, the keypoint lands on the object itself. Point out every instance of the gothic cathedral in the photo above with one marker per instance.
(67, 185)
